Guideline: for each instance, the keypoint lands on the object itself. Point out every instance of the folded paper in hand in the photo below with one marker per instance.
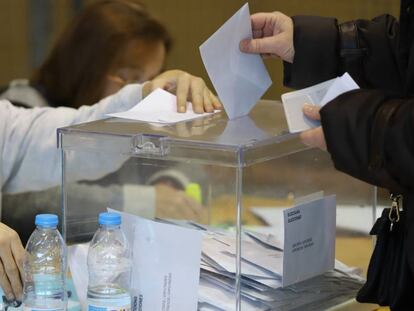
(319, 94)
(159, 107)
(240, 79)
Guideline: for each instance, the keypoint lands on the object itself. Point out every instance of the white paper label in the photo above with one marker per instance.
(41, 309)
(117, 308)
(309, 242)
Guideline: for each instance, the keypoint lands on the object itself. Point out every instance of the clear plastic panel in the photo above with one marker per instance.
(229, 186)
(186, 194)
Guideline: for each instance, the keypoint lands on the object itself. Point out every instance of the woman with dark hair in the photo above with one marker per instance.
(110, 43)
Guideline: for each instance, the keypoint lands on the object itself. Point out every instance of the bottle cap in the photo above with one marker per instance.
(109, 219)
(193, 190)
(46, 220)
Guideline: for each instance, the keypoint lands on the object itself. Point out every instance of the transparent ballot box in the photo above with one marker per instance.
(221, 214)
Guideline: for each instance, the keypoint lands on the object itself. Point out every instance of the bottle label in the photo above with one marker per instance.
(117, 308)
(41, 309)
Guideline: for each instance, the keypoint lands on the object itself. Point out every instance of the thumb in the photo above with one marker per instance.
(312, 111)
(267, 45)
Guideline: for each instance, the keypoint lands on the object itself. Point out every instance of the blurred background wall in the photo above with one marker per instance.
(29, 27)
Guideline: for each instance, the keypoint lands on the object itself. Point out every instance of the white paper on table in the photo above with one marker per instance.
(222, 253)
(269, 259)
(159, 106)
(240, 79)
(77, 257)
(269, 240)
(309, 247)
(166, 269)
(319, 94)
(273, 216)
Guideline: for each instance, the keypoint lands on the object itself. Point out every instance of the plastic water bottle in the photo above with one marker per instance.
(45, 267)
(109, 266)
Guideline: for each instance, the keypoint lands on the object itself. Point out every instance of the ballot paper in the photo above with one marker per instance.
(309, 242)
(239, 79)
(166, 245)
(160, 107)
(308, 237)
(319, 94)
(166, 268)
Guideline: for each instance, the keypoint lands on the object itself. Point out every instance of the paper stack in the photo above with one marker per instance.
(192, 266)
(261, 282)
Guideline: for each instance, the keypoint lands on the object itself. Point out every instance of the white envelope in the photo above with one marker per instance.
(308, 233)
(319, 94)
(166, 270)
(240, 79)
(309, 246)
(166, 265)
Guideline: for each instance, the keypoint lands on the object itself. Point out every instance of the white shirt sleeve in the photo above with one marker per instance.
(30, 158)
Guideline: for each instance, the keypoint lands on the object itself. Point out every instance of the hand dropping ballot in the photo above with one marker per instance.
(319, 94)
(240, 79)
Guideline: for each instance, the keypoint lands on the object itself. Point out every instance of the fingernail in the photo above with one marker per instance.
(307, 108)
(243, 44)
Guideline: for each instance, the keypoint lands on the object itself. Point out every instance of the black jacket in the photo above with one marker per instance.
(369, 132)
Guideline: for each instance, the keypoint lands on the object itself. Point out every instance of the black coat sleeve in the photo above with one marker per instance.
(368, 50)
(370, 135)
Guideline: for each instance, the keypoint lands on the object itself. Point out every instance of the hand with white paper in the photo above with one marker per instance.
(313, 137)
(187, 88)
(239, 79)
(272, 36)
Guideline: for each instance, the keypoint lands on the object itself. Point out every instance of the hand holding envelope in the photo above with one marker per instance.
(240, 79)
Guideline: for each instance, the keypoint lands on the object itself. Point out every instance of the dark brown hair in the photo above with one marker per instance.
(74, 73)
